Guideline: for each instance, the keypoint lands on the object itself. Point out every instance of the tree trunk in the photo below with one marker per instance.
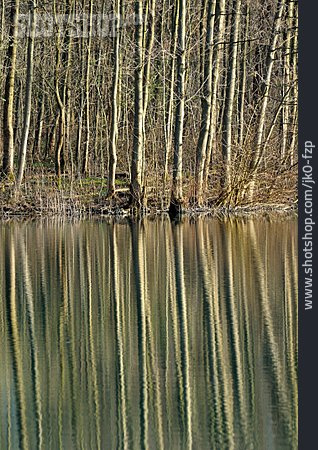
(243, 79)
(269, 68)
(176, 195)
(2, 21)
(79, 135)
(114, 124)
(148, 44)
(168, 127)
(40, 122)
(28, 92)
(136, 187)
(227, 140)
(63, 60)
(286, 84)
(206, 103)
(217, 58)
(87, 93)
(294, 93)
(8, 133)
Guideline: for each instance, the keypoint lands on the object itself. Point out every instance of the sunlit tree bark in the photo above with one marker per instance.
(28, 91)
(87, 91)
(227, 138)
(114, 125)
(136, 187)
(257, 154)
(206, 102)
(8, 113)
(217, 60)
(169, 107)
(176, 195)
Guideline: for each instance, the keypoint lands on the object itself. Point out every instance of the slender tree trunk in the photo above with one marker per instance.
(81, 111)
(18, 107)
(176, 195)
(58, 152)
(148, 43)
(63, 60)
(206, 103)
(258, 146)
(294, 93)
(169, 121)
(217, 58)
(286, 83)
(269, 69)
(51, 139)
(40, 123)
(242, 95)
(8, 132)
(87, 93)
(114, 124)
(136, 187)
(202, 42)
(227, 140)
(2, 20)
(28, 92)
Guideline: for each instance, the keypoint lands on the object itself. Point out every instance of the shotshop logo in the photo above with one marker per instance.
(307, 182)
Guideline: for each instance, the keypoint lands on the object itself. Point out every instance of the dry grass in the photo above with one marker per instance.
(44, 196)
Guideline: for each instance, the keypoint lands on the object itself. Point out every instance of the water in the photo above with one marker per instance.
(148, 335)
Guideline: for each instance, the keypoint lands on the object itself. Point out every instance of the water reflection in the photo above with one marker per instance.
(149, 335)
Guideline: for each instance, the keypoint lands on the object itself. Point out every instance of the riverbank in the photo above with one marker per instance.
(42, 197)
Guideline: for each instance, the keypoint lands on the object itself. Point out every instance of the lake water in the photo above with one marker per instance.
(148, 335)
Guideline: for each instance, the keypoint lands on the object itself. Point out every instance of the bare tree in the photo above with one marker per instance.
(176, 195)
(216, 69)
(114, 125)
(28, 91)
(136, 187)
(169, 107)
(230, 95)
(87, 90)
(257, 155)
(206, 102)
(8, 134)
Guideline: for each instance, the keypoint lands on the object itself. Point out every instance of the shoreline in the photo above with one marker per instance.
(45, 197)
(91, 212)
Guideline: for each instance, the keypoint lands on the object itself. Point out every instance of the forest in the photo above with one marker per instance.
(144, 105)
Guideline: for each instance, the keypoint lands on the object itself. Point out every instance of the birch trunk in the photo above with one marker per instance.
(136, 187)
(176, 195)
(168, 128)
(114, 124)
(206, 102)
(148, 44)
(217, 58)
(243, 79)
(8, 132)
(294, 95)
(28, 92)
(269, 69)
(87, 93)
(259, 149)
(286, 84)
(81, 109)
(227, 140)
(40, 123)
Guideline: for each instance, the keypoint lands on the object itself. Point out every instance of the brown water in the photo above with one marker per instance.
(150, 335)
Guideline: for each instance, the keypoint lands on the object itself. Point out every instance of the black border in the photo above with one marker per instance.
(308, 131)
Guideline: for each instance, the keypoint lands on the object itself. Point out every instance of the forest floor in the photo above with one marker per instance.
(45, 196)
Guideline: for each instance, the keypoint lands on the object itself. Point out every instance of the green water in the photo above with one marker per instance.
(150, 335)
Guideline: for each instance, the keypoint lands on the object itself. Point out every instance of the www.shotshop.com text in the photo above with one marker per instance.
(307, 182)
